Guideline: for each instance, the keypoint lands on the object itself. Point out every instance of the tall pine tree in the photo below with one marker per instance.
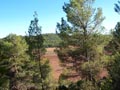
(36, 51)
(84, 21)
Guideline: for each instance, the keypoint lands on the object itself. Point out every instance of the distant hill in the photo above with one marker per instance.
(51, 40)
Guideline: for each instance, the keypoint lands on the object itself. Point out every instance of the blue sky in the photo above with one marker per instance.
(15, 15)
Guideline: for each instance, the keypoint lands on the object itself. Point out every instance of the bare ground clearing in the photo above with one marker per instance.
(54, 62)
(57, 69)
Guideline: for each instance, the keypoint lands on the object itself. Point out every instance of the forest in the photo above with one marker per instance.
(89, 58)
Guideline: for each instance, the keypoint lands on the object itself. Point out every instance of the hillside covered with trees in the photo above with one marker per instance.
(51, 40)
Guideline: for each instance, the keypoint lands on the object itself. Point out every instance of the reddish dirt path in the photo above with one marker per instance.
(57, 69)
(54, 62)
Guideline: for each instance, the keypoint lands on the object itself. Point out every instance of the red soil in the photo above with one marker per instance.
(54, 62)
(103, 73)
(57, 69)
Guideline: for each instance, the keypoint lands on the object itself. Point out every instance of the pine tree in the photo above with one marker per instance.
(83, 26)
(117, 7)
(36, 49)
(13, 60)
(114, 66)
(85, 19)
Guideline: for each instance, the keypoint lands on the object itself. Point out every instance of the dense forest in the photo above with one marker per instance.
(84, 51)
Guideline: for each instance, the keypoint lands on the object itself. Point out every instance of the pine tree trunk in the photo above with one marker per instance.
(85, 43)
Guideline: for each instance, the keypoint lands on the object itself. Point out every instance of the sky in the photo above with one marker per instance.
(15, 15)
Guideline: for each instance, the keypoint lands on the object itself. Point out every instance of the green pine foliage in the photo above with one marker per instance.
(80, 46)
(13, 60)
(51, 40)
(36, 51)
(80, 33)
